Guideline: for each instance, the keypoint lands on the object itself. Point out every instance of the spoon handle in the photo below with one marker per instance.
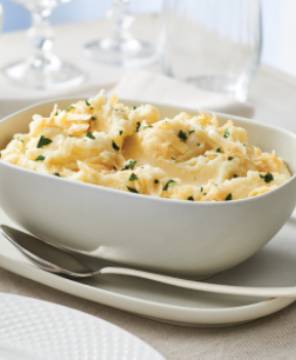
(268, 292)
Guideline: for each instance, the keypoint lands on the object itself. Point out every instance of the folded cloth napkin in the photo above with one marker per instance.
(10, 104)
(154, 87)
(143, 86)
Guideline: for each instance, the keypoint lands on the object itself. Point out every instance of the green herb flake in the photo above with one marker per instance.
(130, 165)
(70, 107)
(191, 132)
(115, 146)
(218, 150)
(228, 197)
(190, 198)
(168, 183)
(230, 158)
(120, 132)
(201, 189)
(133, 177)
(156, 181)
(182, 136)
(40, 158)
(87, 103)
(43, 141)
(197, 144)
(90, 135)
(138, 125)
(147, 127)
(226, 133)
(57, 113)
(234, 176)
(268, 177)
(134, 107)
(93, 118)
(133, 190)
(57, 174)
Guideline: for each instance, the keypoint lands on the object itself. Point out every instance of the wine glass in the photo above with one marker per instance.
(43, 70)
(213, 46)
(121, 48)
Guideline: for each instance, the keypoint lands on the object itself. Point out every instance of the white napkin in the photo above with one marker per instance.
(10, 103)
(154, 87)
(143, 86)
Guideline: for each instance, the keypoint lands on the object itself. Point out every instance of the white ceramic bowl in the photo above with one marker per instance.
(160, 234)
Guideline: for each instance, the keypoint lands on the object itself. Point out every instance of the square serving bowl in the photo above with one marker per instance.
(190, 238)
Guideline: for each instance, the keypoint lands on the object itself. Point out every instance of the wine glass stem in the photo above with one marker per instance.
(42, 38)
(121, 21)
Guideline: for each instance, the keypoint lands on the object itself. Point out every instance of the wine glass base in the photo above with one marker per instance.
(237, 87)
(61, 75)
(127, 53)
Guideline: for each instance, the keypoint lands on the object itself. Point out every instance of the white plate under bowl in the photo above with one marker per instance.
(273, 265)
(37, 330)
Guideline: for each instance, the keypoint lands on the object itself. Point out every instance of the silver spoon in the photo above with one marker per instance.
(74, 265)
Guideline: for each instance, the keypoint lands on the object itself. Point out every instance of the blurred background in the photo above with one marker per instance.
(278, 24)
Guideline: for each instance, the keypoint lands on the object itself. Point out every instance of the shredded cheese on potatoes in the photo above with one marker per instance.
(104, 142)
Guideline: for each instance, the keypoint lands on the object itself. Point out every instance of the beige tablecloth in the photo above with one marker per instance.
(274, 96)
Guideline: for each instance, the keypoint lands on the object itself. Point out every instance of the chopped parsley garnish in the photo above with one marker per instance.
(230, 158)
(133, 177)
(201, 189)
(120, 132)
(197, 144)
(134, 107)
(57, 113)
(93, 118)
(218, 150)
(191, 132)
(115, 146)
(130, 165)
(40, 158)
(168, 183)
(191, 198)
(90, 135)
(182, 136)
(156, 181)
(228, 197)
(87, 103)
(70, 107)
(138, 126)
(133, 190)
(226, 134)
(57, 174)
(268, 177)
(147, 127)
(43, 141)
(234, 176)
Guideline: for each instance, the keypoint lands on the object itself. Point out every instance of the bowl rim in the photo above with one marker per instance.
(154, 198)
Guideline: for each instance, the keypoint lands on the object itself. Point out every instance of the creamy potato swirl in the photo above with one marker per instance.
(104, 142)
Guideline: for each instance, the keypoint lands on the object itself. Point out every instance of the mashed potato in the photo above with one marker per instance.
(104, 142)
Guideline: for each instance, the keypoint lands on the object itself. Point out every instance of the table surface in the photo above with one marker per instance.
(273, 94)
